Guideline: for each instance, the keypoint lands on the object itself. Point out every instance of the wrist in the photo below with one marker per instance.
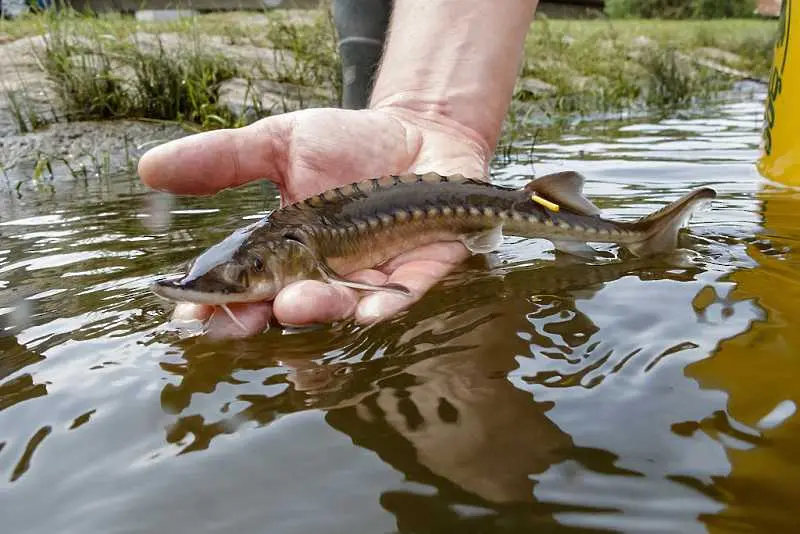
(454, 61)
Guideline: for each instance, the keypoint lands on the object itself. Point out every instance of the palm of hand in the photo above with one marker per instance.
(308, 152)
(333, 147)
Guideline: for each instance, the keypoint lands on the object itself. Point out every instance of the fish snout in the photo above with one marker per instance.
(202, 290)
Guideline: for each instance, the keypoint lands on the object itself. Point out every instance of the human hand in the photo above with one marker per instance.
(307, 152)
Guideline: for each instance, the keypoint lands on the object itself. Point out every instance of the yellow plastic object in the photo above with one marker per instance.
(552, 206)
(780, 160)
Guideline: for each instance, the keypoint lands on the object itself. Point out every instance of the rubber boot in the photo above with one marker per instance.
(362, 27)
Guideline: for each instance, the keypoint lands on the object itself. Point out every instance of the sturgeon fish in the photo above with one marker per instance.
(365, 224)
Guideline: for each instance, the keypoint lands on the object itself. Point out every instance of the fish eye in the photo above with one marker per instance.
(258, 265)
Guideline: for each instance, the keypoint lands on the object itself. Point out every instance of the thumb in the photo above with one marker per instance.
(207, 162)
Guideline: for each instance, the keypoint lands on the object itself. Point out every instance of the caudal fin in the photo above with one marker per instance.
(661, 227)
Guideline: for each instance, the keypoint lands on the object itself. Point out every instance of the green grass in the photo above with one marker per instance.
(313, 47)
(100, 68)
(601, 65)
(25, 115)
(680, 9)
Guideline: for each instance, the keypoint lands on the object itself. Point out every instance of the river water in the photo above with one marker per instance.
(526, 393)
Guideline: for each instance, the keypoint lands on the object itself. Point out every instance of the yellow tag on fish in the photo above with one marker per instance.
(552, 206)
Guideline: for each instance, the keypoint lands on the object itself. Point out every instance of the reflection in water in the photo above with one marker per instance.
(444, 420)
(538, 394)
(15, 357)
(437, 404)
(759, 370)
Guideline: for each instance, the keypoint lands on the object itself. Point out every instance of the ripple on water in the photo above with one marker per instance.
(544, 393)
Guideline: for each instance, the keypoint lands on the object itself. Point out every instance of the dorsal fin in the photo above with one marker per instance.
(355, 190)
(565, 189)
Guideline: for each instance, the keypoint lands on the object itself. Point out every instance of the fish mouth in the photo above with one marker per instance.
(176, 291)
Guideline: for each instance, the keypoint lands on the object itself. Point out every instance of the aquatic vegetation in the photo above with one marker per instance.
(24, 114)
(98, 164)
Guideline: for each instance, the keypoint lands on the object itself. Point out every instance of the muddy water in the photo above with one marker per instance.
(526, 393)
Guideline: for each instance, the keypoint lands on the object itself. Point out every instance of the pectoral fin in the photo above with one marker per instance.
(332, 278)
(564, 189)
(398, 289)
(484, 242)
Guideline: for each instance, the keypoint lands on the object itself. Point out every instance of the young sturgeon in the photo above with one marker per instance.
(365, 224)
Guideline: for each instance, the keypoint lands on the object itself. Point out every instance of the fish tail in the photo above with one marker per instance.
(660, 228)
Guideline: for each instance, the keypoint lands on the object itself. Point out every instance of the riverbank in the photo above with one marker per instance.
(228, 69)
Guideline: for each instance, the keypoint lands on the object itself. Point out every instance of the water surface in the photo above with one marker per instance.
(527, 393)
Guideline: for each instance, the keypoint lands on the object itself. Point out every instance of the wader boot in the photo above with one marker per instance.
(362, 26)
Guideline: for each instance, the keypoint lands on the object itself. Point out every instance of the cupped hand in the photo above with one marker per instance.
(307, 152)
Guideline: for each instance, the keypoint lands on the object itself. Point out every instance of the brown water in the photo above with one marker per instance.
(526, 394)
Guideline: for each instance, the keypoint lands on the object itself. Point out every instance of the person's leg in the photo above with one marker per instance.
(362, 26)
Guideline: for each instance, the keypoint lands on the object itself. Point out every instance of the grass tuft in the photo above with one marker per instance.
(83, 77)
(97, 75)
(671, 81)
(601, 66)
(107, 66)
(181, 85)
(25, 115)
(314, 57)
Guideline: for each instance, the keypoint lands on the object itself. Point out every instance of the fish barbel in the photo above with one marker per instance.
(365, 224)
